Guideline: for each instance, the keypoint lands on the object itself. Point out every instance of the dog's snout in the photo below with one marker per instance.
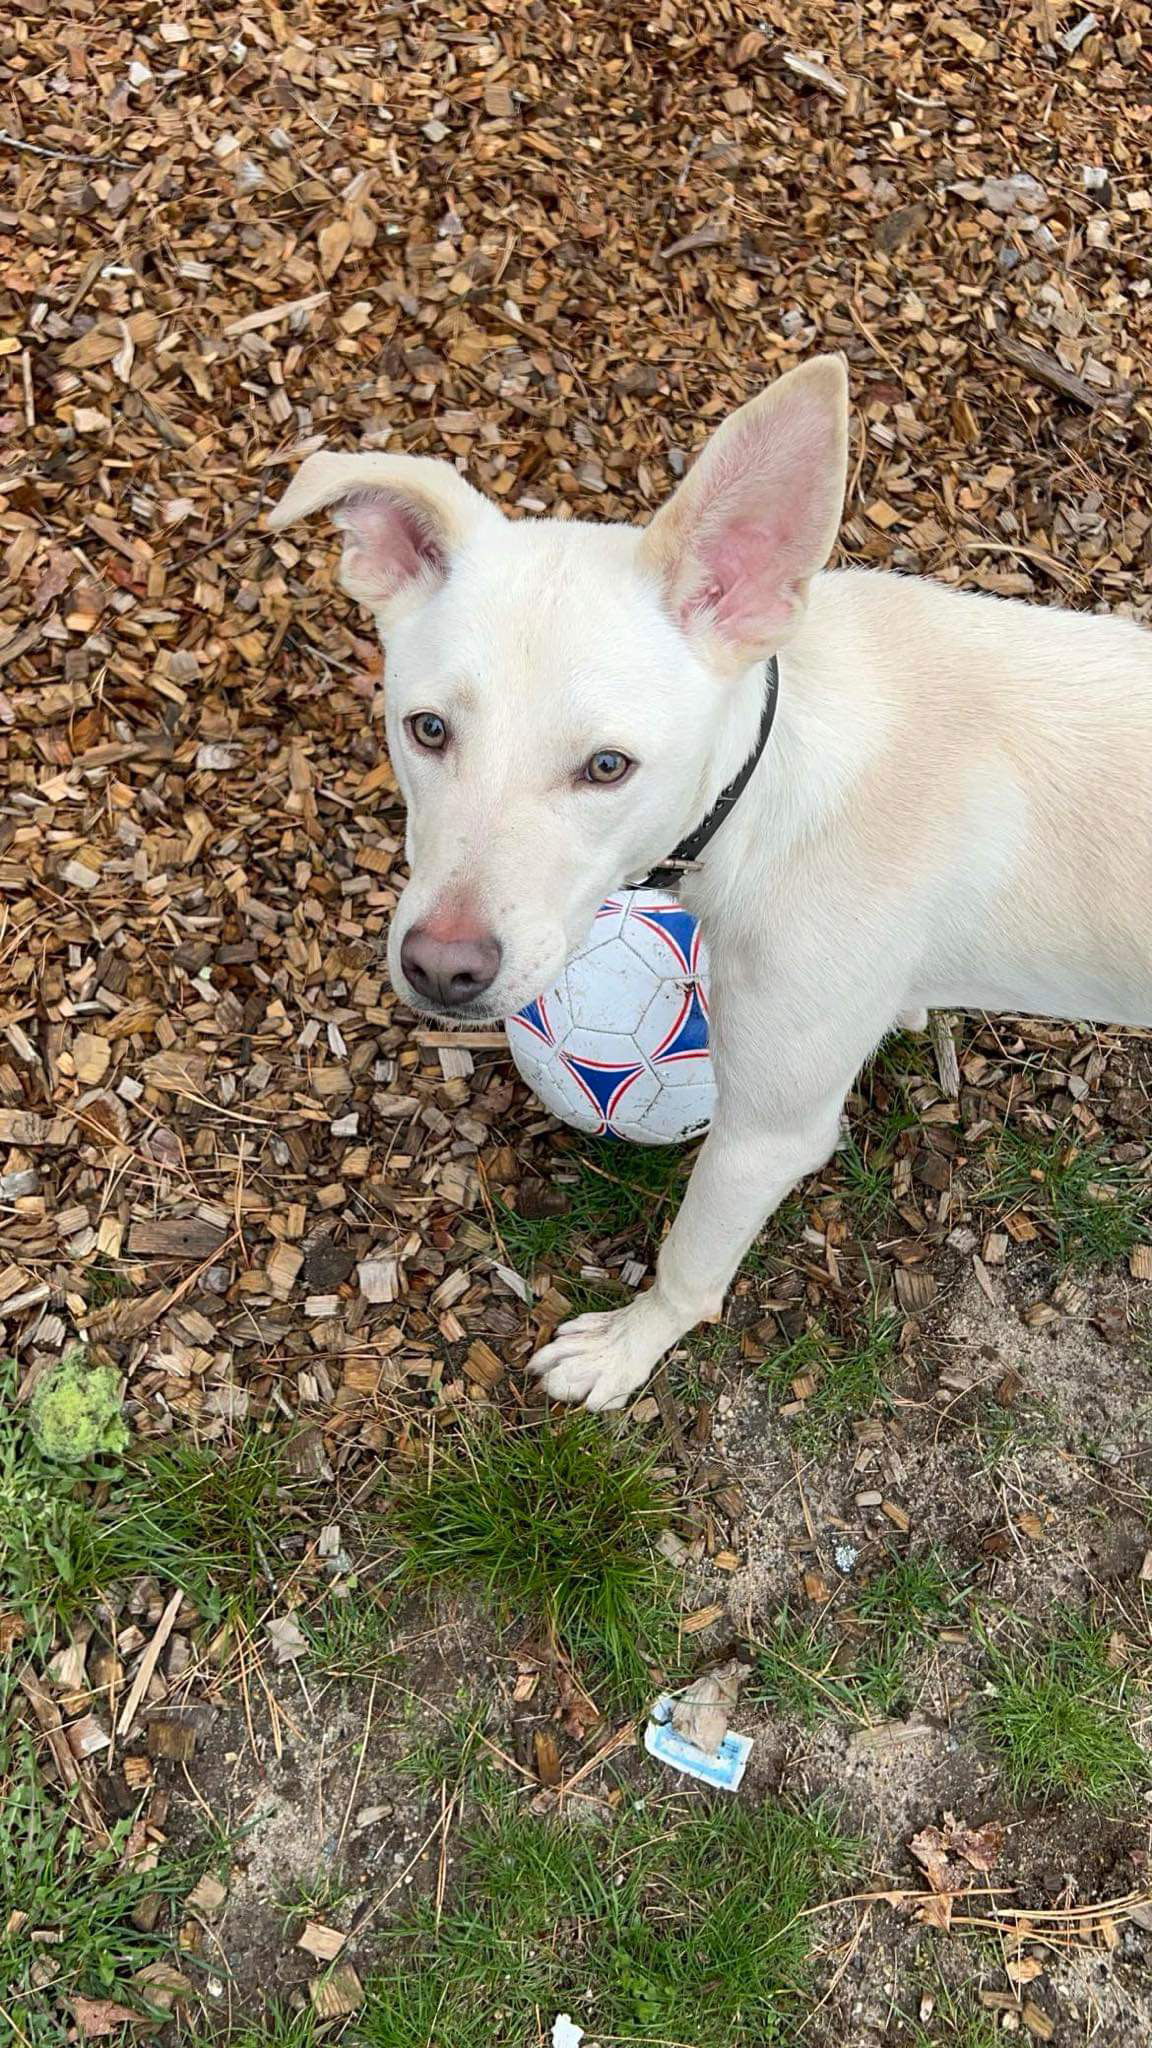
(449, 973)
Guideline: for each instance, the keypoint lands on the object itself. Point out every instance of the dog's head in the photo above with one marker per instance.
(562, 697)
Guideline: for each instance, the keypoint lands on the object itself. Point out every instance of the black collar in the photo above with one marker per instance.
(671, 872)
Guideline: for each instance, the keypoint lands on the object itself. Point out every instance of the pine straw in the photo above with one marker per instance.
(1093, 1928)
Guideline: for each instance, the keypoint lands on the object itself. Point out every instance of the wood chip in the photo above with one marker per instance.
(942, 1032)
(208, 1897)
(916, 1289)
(87, 1736)
(282, 1269)
(90, 1058)
(268, 316)
(1047, 370)
(48, 1715)
(1037, 2021)
(378, 1279)
(336, 1995)
(325, 1943)
(148, 1663)
(549, 1769)
(701, 1619)
(183, 1238)
(483, 1365)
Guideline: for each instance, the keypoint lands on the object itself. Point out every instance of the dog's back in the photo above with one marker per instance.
(1007, 760)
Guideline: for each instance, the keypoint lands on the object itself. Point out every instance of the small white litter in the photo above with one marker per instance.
(723, 1769)
(565, 2032)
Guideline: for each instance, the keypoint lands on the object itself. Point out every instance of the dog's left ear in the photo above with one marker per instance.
(755, 519)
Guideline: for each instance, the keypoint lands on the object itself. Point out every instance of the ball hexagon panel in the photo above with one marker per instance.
(606, 983)
(620, 1045)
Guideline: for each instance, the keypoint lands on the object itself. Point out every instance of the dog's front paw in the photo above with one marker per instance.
(602, 1359)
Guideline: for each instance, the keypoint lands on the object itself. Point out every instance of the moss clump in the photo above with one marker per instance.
(75, 1411)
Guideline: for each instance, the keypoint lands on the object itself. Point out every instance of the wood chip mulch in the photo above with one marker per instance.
(555, 246)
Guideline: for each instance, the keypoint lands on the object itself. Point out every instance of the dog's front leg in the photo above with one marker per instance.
(746, 1167)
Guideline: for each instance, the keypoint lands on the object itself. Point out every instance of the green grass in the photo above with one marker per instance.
(899, 1057)
(1092, 1210)
(207, 1521)
(1057, 1716)
(675, 1924)
(200, 1519)
(195, 1519)
(352, 1633)
(555, 1524)
(911, 1596)
(957, 2024)
(850, 1372)
(320, 1898)
(797, 1671)
(105, 1283)
(770, 1250)
(66, 1905)
(451, 1751)
(697, 1358)
(615, 1191)
(1002, 1433)
(279, 2028)
(592, 1297)
(47, 1542)
(866, 1163)
(856, 1663)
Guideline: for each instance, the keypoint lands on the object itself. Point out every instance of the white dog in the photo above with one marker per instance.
(953, 808)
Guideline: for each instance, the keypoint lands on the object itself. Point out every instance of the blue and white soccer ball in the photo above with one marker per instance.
(619, 1048)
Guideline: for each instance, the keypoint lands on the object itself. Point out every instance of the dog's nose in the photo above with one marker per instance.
(449, 973)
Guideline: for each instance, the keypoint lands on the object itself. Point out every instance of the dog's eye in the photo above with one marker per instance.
(429, 731)
(606, 766)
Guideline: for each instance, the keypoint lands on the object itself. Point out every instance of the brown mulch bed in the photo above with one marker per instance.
(554, 250)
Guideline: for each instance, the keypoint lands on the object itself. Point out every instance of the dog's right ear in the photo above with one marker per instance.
(403, 518)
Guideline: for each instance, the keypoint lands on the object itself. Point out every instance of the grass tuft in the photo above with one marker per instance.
(1093, 1209)
(195, 1518)
(554, 1523)
(771, 1249)
(207, 1521)
(614, 1191)
(1002, 1434)
(280, 2027)
(859, 1668)
(67, 1927)
(1057, 1716)
(663, 1926)
(352, 1633)
(105, 1283)
(850, 1372)
(452, 1751)
(865, 1163)
(957, 2024)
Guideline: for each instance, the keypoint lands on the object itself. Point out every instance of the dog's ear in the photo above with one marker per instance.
(403, 518)
(736, 547)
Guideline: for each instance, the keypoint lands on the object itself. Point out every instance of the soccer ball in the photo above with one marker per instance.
(619, 1048)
